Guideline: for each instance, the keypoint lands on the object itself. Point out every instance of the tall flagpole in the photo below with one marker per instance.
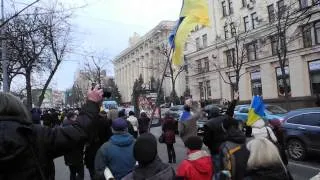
(4, 59)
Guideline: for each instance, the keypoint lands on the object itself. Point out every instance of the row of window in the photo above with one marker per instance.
(314, 74)
(205, 68)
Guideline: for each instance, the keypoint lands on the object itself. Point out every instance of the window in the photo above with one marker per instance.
(306, 35)
(185, 46)
(254, 20)
(274, 44)
(303, 4)
(246, 23)
(317, 32)
(206, 64)
(230, 57)
(226, 32)
(208, 88)
(244, 3)
(201, 90)
(198, 44)
(280, 82)
(256, 84)
(230, 7)
(295, 119)
(205, 40)
(271, 13)
(199, 66)
(252, 51)
(233, 30)
(314, 71)
(224, 8)
(281, 8)
(311, 119)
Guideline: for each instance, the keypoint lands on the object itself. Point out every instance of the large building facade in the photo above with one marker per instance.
(145, 57)
(210, 51)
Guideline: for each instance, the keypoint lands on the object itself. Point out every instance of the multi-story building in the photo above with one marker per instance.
(145, 57)
(248, 30)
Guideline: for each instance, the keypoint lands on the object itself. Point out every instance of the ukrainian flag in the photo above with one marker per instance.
(256, 111)
(193, 12)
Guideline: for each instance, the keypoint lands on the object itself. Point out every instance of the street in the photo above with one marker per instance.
(299, 170)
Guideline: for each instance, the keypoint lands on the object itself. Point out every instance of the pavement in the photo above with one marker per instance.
(299, 170)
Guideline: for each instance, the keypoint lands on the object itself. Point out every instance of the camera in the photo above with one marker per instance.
(107, 92)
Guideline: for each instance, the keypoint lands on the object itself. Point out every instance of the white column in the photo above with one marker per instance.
(299, 77)
(268, 81)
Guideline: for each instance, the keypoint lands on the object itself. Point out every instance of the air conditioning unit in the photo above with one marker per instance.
(259, 20)
(218, 37)
(250, 6)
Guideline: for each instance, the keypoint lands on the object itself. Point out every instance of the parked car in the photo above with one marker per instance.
(271, 112)
(301, 130)
(221, 108)
(176, 111)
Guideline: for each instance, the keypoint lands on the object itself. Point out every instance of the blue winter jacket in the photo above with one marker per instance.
(117, 155)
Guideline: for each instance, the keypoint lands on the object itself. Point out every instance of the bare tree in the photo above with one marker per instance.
(174, 72)
(94, 69)
(36, 43)
(288, 15)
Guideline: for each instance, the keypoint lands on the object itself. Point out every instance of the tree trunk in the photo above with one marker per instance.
(29, 90)
(44, 89)
(286, 88)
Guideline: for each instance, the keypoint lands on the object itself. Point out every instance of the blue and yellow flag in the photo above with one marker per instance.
(256, 110)
(193, 12)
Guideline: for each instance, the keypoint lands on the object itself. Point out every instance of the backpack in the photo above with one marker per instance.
(228, 159)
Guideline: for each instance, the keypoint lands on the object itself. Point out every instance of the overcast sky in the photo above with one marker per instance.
(104, 27)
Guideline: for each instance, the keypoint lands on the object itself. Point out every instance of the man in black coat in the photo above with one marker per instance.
(27, 151)
(74, 159)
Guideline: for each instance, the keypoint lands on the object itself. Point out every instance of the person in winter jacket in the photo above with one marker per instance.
(33, 147)
(122, 114)
(168, 130)
(214, 134)
(187, 124)
(134, 122)
(198, 164)
(144, 122)
(150, 166)
(265, 166)
(234, 138)
(117, 153)
(102, 134)
(74, 159)
(260, 129)
(36, 115)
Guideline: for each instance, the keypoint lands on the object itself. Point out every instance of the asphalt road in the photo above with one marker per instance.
(299, 170)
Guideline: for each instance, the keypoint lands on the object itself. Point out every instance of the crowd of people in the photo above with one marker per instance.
(120, 146)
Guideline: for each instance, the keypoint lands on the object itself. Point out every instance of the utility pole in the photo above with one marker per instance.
(4, 59)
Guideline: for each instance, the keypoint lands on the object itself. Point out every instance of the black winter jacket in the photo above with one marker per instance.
(276, 172)
(75, 157)
(27, 151)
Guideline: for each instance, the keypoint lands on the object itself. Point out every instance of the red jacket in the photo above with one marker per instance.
(197, 166)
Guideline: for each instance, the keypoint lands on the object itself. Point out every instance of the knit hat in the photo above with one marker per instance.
(119, 124)
(194, 143)
(145, 149)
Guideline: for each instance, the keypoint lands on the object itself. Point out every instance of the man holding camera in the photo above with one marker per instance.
(27, 150)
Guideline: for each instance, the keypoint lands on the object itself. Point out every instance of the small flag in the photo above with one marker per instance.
(256, 110)
(193, 12)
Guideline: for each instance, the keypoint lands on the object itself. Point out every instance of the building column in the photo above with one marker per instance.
(268, 81)
(245, 91)
(299, 77)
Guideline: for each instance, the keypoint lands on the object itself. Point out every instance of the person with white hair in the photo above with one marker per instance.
(264, 162)
(260, 129)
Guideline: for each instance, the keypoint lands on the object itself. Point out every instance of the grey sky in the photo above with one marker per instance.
(104, 27)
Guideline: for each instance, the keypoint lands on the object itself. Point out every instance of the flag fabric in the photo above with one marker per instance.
(193, 12)
(256, 110)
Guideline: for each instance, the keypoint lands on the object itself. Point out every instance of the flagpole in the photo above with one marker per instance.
(160, 87)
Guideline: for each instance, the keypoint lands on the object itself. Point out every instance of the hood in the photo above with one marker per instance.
(12, 144)
(122, 139)
(201, 160)
(236, 136)
(258, 124)
(213, 112)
